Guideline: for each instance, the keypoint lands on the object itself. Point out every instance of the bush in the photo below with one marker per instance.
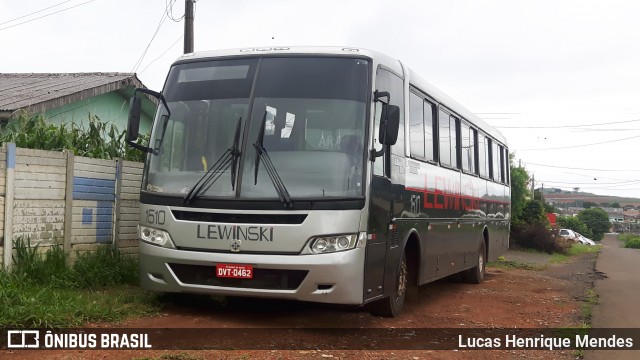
(630, 240)
(533, 213)
(539, 237)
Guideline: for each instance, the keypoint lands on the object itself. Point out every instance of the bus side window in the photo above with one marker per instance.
(445, 145)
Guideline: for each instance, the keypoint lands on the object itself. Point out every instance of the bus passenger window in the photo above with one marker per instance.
(468, 153)
(445, 145)
(453, 128)
(483, 167)
(428, 131)
(416, 126)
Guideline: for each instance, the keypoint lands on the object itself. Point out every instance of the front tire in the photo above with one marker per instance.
(392, 306)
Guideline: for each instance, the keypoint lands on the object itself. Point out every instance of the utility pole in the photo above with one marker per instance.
(533, 186)
(188, 26)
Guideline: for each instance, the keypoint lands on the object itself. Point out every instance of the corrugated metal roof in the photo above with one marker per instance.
(40, 92)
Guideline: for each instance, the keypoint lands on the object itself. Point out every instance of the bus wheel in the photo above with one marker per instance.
(392, 306)
(476, 275)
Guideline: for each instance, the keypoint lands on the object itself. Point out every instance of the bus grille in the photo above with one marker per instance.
(272, 279)
(239, 218)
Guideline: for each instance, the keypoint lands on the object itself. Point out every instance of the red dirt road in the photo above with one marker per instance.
(509, 298)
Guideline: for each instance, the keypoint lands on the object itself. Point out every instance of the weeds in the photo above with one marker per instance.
(41, 291)
(513, 264)
(99, 140)
(630, 240)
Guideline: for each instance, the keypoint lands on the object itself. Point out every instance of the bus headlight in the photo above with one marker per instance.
(155, 237)
(333, 243)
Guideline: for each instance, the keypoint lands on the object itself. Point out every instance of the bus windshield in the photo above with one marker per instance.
(314, 115)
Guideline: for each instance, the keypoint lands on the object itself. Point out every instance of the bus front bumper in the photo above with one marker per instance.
(327, 278)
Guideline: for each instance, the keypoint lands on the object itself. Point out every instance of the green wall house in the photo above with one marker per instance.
(72, 97)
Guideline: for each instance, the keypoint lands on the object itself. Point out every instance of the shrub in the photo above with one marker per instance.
(630, 240)
(539, 237)
(533, 213)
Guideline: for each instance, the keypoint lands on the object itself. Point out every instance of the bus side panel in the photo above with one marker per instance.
(499, 212)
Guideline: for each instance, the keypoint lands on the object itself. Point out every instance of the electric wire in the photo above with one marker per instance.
(33, 13)
(44, 16)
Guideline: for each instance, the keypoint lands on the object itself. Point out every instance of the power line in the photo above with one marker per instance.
(583, 145)
(565, 126)
(161, 55)
(35, 12)
(622, 183)
(576, 168)
(139, 62)
(169, 5)
(44, 16)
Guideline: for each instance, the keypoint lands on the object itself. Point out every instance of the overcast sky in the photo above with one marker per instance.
(520, 65)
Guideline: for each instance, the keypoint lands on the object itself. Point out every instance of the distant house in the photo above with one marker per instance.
(71, 97)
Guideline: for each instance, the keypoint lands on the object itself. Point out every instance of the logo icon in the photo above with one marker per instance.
(235, 245)
(21, 339)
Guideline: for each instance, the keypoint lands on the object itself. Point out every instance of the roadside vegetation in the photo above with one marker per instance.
(630, 240)
(98, 140)
(530, 227)
(42, 290)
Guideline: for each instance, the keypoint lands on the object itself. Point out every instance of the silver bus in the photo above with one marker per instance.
(334, 175)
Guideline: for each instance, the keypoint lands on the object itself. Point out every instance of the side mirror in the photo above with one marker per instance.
(133, 127)
(390, 124)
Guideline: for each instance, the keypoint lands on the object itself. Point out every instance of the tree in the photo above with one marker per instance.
(596, 220)
(519, 191)
(589, 204)
(533, 213)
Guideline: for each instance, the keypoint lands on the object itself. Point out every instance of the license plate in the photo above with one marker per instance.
(235, 271)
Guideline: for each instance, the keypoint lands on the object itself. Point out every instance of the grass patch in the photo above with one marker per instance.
(591, 299)
(42, 291)
(631, 241)
(513, 264)
(578, 249)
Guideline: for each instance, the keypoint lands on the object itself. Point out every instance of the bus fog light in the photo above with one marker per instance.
(155, 237)
(329, 244)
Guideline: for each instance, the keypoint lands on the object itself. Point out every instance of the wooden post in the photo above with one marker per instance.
(116, 222)
(188, 26)
(68, 205)
(8, 205)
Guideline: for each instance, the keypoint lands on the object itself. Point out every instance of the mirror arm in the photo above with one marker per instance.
(155, 94)
(378, 95)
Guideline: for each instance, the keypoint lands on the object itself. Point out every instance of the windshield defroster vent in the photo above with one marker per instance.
(239, 218)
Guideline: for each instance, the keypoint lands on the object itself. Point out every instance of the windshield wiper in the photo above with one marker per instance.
(271, 170)
(228, 159)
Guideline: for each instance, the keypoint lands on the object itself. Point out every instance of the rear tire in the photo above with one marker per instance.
(476, 275)
(391, 306)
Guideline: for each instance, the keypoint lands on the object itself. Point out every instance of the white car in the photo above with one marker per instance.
(585, 240)
(569, 234)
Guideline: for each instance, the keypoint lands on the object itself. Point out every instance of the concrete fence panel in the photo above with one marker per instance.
(39, 193)
(94, 184)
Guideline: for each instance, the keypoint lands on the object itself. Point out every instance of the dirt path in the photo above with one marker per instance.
(509, 297)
